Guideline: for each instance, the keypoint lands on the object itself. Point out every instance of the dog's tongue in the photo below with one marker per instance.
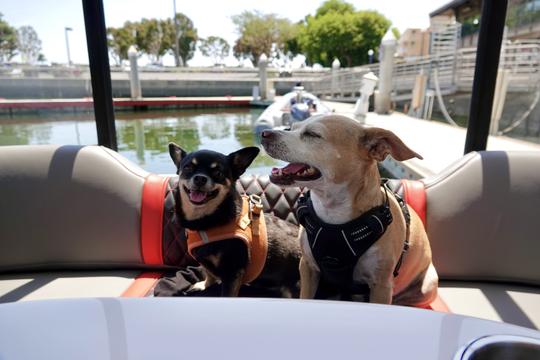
(197, 196)
(293, 168)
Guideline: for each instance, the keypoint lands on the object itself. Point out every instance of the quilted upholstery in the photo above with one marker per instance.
(276, 200)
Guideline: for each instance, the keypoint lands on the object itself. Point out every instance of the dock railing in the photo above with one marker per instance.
(455, 72)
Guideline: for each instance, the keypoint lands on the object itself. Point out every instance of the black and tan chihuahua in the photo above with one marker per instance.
(210, 205)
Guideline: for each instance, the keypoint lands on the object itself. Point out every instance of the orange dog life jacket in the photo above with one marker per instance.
(249, 227)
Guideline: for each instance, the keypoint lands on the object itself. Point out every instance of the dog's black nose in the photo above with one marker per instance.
(267, 134)
(199, 180)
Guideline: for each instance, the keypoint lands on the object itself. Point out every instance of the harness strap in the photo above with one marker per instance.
(336, 259)
(336, 248)
(414, 193)
(407, 216)
(249, 226)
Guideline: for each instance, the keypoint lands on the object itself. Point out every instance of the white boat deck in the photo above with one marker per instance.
(440, 144)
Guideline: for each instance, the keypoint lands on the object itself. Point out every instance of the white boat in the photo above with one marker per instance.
(294, 106)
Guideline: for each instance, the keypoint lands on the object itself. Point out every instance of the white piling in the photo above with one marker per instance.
(255, 92)
(386, 66)
(335, 70)
(361, 108)
(263, 78)
(134, 81)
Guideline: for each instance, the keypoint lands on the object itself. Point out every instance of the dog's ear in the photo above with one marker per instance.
(380, 143)
(241, 159)
(177, 153)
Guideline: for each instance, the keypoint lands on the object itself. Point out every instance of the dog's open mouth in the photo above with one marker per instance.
(294, 172)
(199, 197)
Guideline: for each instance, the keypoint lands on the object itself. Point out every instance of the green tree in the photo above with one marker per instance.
(150, 37)
(187, 40)
(154, 38)
(338, 31)
(396, 33)
(258, 32)
(8, 41)
(216, 48)
(119, 40)
(291, 43)
(336, 6)
(28, 44)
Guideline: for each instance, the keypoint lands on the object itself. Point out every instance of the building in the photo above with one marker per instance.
(413, 42)
(522, 19)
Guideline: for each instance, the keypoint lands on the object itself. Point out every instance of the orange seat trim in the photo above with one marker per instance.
(439, 305)
(414, 193)
(153, 198)
(142, 284)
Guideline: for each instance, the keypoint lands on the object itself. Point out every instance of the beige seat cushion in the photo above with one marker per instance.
(514, 304)
(51, 285)
(68, 207)
(482, 218)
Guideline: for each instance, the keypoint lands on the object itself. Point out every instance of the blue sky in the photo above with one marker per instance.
(49, 17)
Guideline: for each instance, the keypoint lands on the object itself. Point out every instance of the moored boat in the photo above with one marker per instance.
(294, 106)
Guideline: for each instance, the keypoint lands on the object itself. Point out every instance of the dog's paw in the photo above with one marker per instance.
(200, 286)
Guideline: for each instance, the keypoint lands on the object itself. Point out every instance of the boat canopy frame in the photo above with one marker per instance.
(488, 52)
(100, 72)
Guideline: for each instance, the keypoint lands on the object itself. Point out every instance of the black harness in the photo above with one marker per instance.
(337, 248)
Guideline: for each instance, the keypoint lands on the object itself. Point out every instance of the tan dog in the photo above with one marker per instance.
(336, 158)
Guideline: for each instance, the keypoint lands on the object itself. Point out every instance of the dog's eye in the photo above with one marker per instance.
(218, 174)
(311, 134)
(187, 168)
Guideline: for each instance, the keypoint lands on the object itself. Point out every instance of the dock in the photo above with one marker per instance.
(126, 103)
(439, 144)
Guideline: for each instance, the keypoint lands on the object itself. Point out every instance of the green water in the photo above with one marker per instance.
(143, 136)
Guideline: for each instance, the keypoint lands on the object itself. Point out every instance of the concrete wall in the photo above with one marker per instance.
(28, 88)
(44, 88)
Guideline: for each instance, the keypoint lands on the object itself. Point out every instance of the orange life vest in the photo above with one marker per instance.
(249, 227)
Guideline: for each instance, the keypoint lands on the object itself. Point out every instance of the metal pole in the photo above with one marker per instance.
(66, 29)
(485, 73)
(177, 60)
(96, 41)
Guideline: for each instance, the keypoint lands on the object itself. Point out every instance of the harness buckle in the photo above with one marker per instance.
(256, 202)
(256, 207)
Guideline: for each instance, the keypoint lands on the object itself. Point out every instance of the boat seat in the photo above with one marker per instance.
(64, 284)
(84, 221)
(482, 223)
(497, 301)
(71, 221)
